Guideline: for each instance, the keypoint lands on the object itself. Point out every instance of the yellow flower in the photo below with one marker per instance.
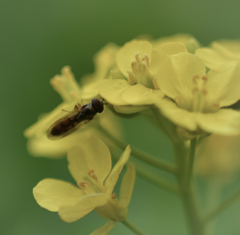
(188, 40)
(71, 93)
(223, 51)
(90, 165)
(104, 61)
(197, 99)
(218, 157)
(138, 62)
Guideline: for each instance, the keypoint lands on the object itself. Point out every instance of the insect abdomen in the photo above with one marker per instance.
(65, 125)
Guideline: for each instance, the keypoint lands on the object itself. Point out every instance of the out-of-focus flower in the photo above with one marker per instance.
(187, 39)
(218, 157)
(223, 51)
(71, 93)
(90, 165)
(196, 98)
(104, 61)
(139, 64)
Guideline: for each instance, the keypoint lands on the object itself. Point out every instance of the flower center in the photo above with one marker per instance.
(140, 71)
(199, 93)
(197, 101)
(92, 184)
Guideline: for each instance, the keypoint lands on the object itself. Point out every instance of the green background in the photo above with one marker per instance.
(37, 39)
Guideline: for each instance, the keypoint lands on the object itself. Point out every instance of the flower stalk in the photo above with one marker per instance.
(150, 160)
(133, 228)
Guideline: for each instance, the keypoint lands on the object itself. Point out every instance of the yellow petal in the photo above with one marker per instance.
(51, 194)
(71, 213)
(232, 46)
(210, 57)
(223, 85)
(175, 76)
(224, 51)
(90, 154)
(105, 229)
(114, 175)
(131, 109)
(180, 37)
(126, 54)
(127, 185)
(179, 117)
(223, 122)
(111, 90)
(167, 49)
(141, 95)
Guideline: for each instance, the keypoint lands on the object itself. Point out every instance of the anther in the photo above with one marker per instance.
(137, 57)
(145, 58)
(131, 79)
(204, 78)
(114, 195)
(83, 184)
(195, 79)
(92, 174)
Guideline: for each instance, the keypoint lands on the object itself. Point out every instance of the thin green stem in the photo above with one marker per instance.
(222, 207)
(157, 180)
(150, 160)
(154, 179)
(184, 177)
(191, 160)
(133, 228)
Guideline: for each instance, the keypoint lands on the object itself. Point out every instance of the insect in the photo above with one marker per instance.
(79, 117)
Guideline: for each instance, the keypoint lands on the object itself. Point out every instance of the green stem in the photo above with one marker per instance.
(152, 178)
(150, 160)
(222, 207)
(188, 196)
(133, 228)
(157, 180)
(191, 160)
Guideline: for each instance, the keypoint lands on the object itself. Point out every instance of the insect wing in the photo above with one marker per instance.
(64, 132)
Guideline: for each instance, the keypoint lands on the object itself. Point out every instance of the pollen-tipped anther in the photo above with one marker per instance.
(92, 174)
(83, 184)
(114, 195)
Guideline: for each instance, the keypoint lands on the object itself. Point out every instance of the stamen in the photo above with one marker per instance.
(83, 184)
(135, 67)
(195, 78)
(131, 78)
(92, 174)
(155, 85)
(143, 68)
(114, 195)
(146, 58)
(137, 57)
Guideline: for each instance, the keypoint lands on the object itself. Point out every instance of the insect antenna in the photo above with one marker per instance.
(66, 111)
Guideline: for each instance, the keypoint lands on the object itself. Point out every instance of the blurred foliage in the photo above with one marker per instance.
(37, 39)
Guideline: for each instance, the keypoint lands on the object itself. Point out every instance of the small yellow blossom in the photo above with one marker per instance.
(71, 93)
(138, 63)
(187, 39)
(104, 62)
(196, 98)
(223, 51)
(218, 157)
(90, 165)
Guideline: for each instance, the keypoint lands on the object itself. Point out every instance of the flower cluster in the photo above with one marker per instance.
(191, 88)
